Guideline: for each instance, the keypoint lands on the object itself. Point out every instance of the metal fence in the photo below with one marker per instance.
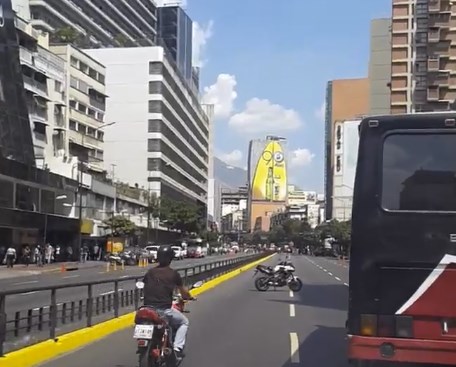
(26, 327)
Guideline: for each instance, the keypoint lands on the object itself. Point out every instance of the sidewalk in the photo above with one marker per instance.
(21, 270)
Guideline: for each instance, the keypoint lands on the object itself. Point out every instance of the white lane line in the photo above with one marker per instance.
(329, 273)
(346, 284)
(337, 278)
(294, 348)
(110, 292)
(71, 276)
(292, 310)
(101, 272)
(124, 276)
(29, 282)
(325, 270)
(291, 294)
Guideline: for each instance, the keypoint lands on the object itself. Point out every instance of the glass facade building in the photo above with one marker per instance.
(175, 33)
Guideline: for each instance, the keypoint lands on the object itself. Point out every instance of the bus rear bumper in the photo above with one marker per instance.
(402, 350)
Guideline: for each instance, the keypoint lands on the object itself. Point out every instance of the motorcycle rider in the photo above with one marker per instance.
(159, 285)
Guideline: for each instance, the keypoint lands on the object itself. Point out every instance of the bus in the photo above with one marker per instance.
(403, 253)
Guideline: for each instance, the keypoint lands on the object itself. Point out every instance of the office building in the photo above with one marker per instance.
(345, 150)
(234, 210)
(423, 55)
(98, 23)
(175, 31)
(345, 99)
(86, 100)
(380, 67)
(159, 122)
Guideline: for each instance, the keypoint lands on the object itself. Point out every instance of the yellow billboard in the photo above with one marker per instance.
(270, 176)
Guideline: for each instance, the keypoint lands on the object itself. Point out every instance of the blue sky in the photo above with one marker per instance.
(266, 67)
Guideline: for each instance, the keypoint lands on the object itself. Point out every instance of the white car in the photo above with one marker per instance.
(152, 251)
(178, 252)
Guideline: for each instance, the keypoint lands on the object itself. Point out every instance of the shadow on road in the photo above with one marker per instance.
(325, 346)
(331, 296)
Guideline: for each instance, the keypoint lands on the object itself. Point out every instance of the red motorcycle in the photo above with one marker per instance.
(154, 334)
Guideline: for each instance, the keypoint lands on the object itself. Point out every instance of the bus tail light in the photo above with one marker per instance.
(368, 325)
(386, 326)
(404, 327)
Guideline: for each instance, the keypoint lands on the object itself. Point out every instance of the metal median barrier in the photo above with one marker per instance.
(100, 300)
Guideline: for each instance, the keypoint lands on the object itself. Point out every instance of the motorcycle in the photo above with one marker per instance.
(279, 276)
(154, 335)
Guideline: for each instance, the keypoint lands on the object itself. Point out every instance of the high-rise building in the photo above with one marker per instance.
(85, 96)
(98, 23)
(345, 99)
(423, 55)
(161, 137)
(380, 67)
(175, 31)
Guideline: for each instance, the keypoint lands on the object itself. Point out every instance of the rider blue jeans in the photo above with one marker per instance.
(180, 323)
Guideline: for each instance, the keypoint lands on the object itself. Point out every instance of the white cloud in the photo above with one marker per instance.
(233, 158)
(262, 116)
(201, 35)
(222, 95)
(301, 157)
(320, 114)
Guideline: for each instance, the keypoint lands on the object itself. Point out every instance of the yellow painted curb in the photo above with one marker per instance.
(50, 349)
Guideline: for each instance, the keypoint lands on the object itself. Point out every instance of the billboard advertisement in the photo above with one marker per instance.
(268, 170)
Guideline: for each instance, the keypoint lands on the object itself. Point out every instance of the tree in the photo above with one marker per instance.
(121, 226)
(65, 35)
(178, 215)
(277, 234)
(294, 228)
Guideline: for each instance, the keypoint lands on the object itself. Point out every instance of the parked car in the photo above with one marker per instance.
(152, 250)
(178, 252)
(196, 251)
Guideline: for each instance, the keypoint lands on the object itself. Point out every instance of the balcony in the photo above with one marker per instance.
(35, 86)
(434, 6)
(41, 24)
(438, 80)
(433, 64)
(433, 93)
(434, 35)
(26, 56)
(37, 114)
(59, 121)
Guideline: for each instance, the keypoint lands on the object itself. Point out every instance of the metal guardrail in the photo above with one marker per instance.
(49, 321)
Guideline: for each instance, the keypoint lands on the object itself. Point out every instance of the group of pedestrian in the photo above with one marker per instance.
(39, 255)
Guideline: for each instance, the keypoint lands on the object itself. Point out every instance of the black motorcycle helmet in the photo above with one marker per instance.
(165, 255)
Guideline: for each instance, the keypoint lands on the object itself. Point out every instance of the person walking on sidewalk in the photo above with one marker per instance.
(10, 257)
(26, 255)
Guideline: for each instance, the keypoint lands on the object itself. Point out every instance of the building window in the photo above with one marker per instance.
(419, 179)
(6, 194)
(74, 82)
(74, 61)
(155, 106)
(155, 126)
(73, 125)
(155, 87)
(153, 164)
(153, 145)
(58, 86)
(27, 198)
(155, 68)
(73, 103)
(47, 201)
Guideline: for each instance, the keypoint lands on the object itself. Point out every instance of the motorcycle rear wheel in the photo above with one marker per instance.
(262, 284)
(145, 359)
(295, 285)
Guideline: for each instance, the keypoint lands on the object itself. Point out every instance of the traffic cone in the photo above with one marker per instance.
(62, 268)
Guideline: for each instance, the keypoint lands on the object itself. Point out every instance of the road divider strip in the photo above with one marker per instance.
(50, 349)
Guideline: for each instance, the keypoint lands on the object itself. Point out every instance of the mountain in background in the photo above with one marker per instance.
(229, 176)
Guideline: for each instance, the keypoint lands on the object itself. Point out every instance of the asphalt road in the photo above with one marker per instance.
(234, 325)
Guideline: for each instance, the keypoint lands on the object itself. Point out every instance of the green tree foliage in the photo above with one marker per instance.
(277, 234)
(340, 231)
(65, 35)
(120, 225)
(182, 216)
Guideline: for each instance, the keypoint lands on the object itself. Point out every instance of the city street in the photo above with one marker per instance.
(35, 299)
(235, 325)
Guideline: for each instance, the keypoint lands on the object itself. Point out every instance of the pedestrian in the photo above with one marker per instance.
(10, 257)
(26, 255)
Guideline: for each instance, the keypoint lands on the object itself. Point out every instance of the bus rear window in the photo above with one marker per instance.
(419, 172)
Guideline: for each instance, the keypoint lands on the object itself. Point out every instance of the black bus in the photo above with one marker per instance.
(403, 254)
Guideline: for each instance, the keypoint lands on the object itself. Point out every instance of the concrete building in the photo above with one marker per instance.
(380, 67)
(345, 99)
(234, 209)
(307, 212)
(86, 100)
(158, 118)
(175, 31)
(423, 55)
(98, 23)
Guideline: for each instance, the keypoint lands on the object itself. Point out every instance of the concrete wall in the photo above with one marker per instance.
(380, 66)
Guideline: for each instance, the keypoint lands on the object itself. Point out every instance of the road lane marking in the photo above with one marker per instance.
(329, 273)
(124, 276)
(337, 278)
(101, 272)
(346, 284)
(29, 282)
(325, 270)
(291, 294)
(294, 348)
(110, 292)
(26, 294)
(292, 310)
(71, 276)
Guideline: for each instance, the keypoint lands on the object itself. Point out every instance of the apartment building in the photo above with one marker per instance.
(86, 100)
(159, 122)
(99, 23)
(423, 55)
(345, 99)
